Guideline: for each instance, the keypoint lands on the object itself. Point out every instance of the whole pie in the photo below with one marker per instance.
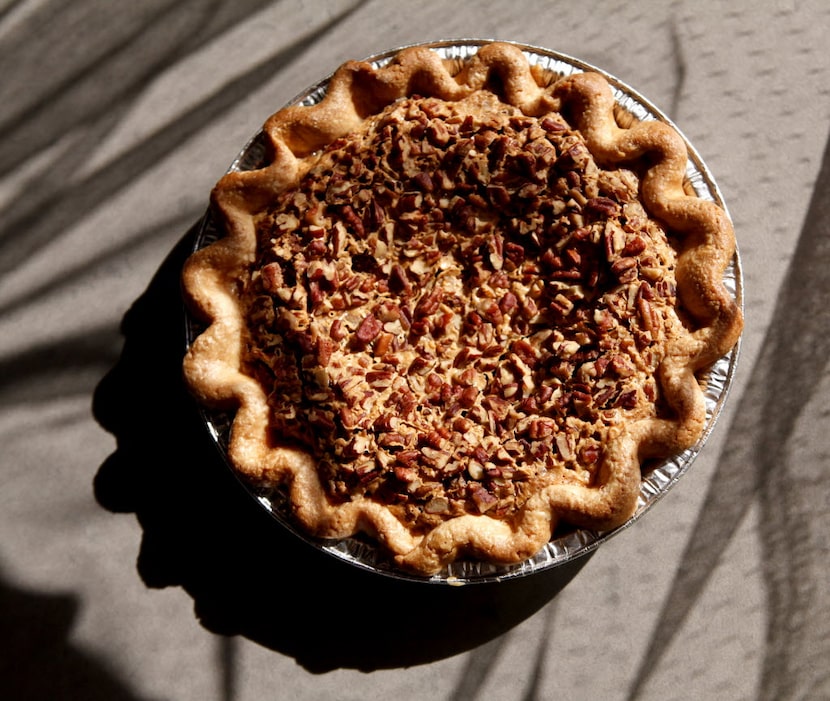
(462, 303)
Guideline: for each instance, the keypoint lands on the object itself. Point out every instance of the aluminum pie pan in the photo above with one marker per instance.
(658, 478)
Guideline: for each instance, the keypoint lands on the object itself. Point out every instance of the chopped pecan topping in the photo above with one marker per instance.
(455, 305)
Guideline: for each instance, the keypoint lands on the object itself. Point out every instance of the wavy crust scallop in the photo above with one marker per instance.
(212, 366)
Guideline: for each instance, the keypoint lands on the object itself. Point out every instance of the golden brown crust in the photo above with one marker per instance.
(213, 366)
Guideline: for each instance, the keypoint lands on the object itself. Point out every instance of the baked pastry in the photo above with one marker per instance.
(462, 303)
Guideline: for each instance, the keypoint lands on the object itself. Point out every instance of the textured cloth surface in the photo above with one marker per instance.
(132, 566)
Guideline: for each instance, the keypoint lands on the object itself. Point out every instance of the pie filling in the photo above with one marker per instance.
(454, 307)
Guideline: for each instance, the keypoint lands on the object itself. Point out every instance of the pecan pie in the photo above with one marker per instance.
(461, 304)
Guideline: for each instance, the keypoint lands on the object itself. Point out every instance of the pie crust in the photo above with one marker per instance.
(566, 303)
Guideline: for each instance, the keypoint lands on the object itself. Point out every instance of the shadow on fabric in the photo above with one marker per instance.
(246, 573)
(39, 660)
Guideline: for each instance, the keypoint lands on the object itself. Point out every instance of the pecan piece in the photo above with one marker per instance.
(627, 399)
(399, 281)
(424, 182)
(508, 302)
(541, 428)
(625, 269)
(383, 344)
(483, 499)
(437, 133)
(429, 303)
(272, 277)
(589, 454)
(634, 247)
(369, 329)
(468, 397)
(437, 505)
(648, 315)
(602, 207)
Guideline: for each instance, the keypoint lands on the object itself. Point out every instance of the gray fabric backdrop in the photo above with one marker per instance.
(131, 566)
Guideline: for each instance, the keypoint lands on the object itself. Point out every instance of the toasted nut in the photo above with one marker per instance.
(368, 330)
(625, 269)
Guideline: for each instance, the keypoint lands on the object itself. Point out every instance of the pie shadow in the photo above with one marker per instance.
(246, 573)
